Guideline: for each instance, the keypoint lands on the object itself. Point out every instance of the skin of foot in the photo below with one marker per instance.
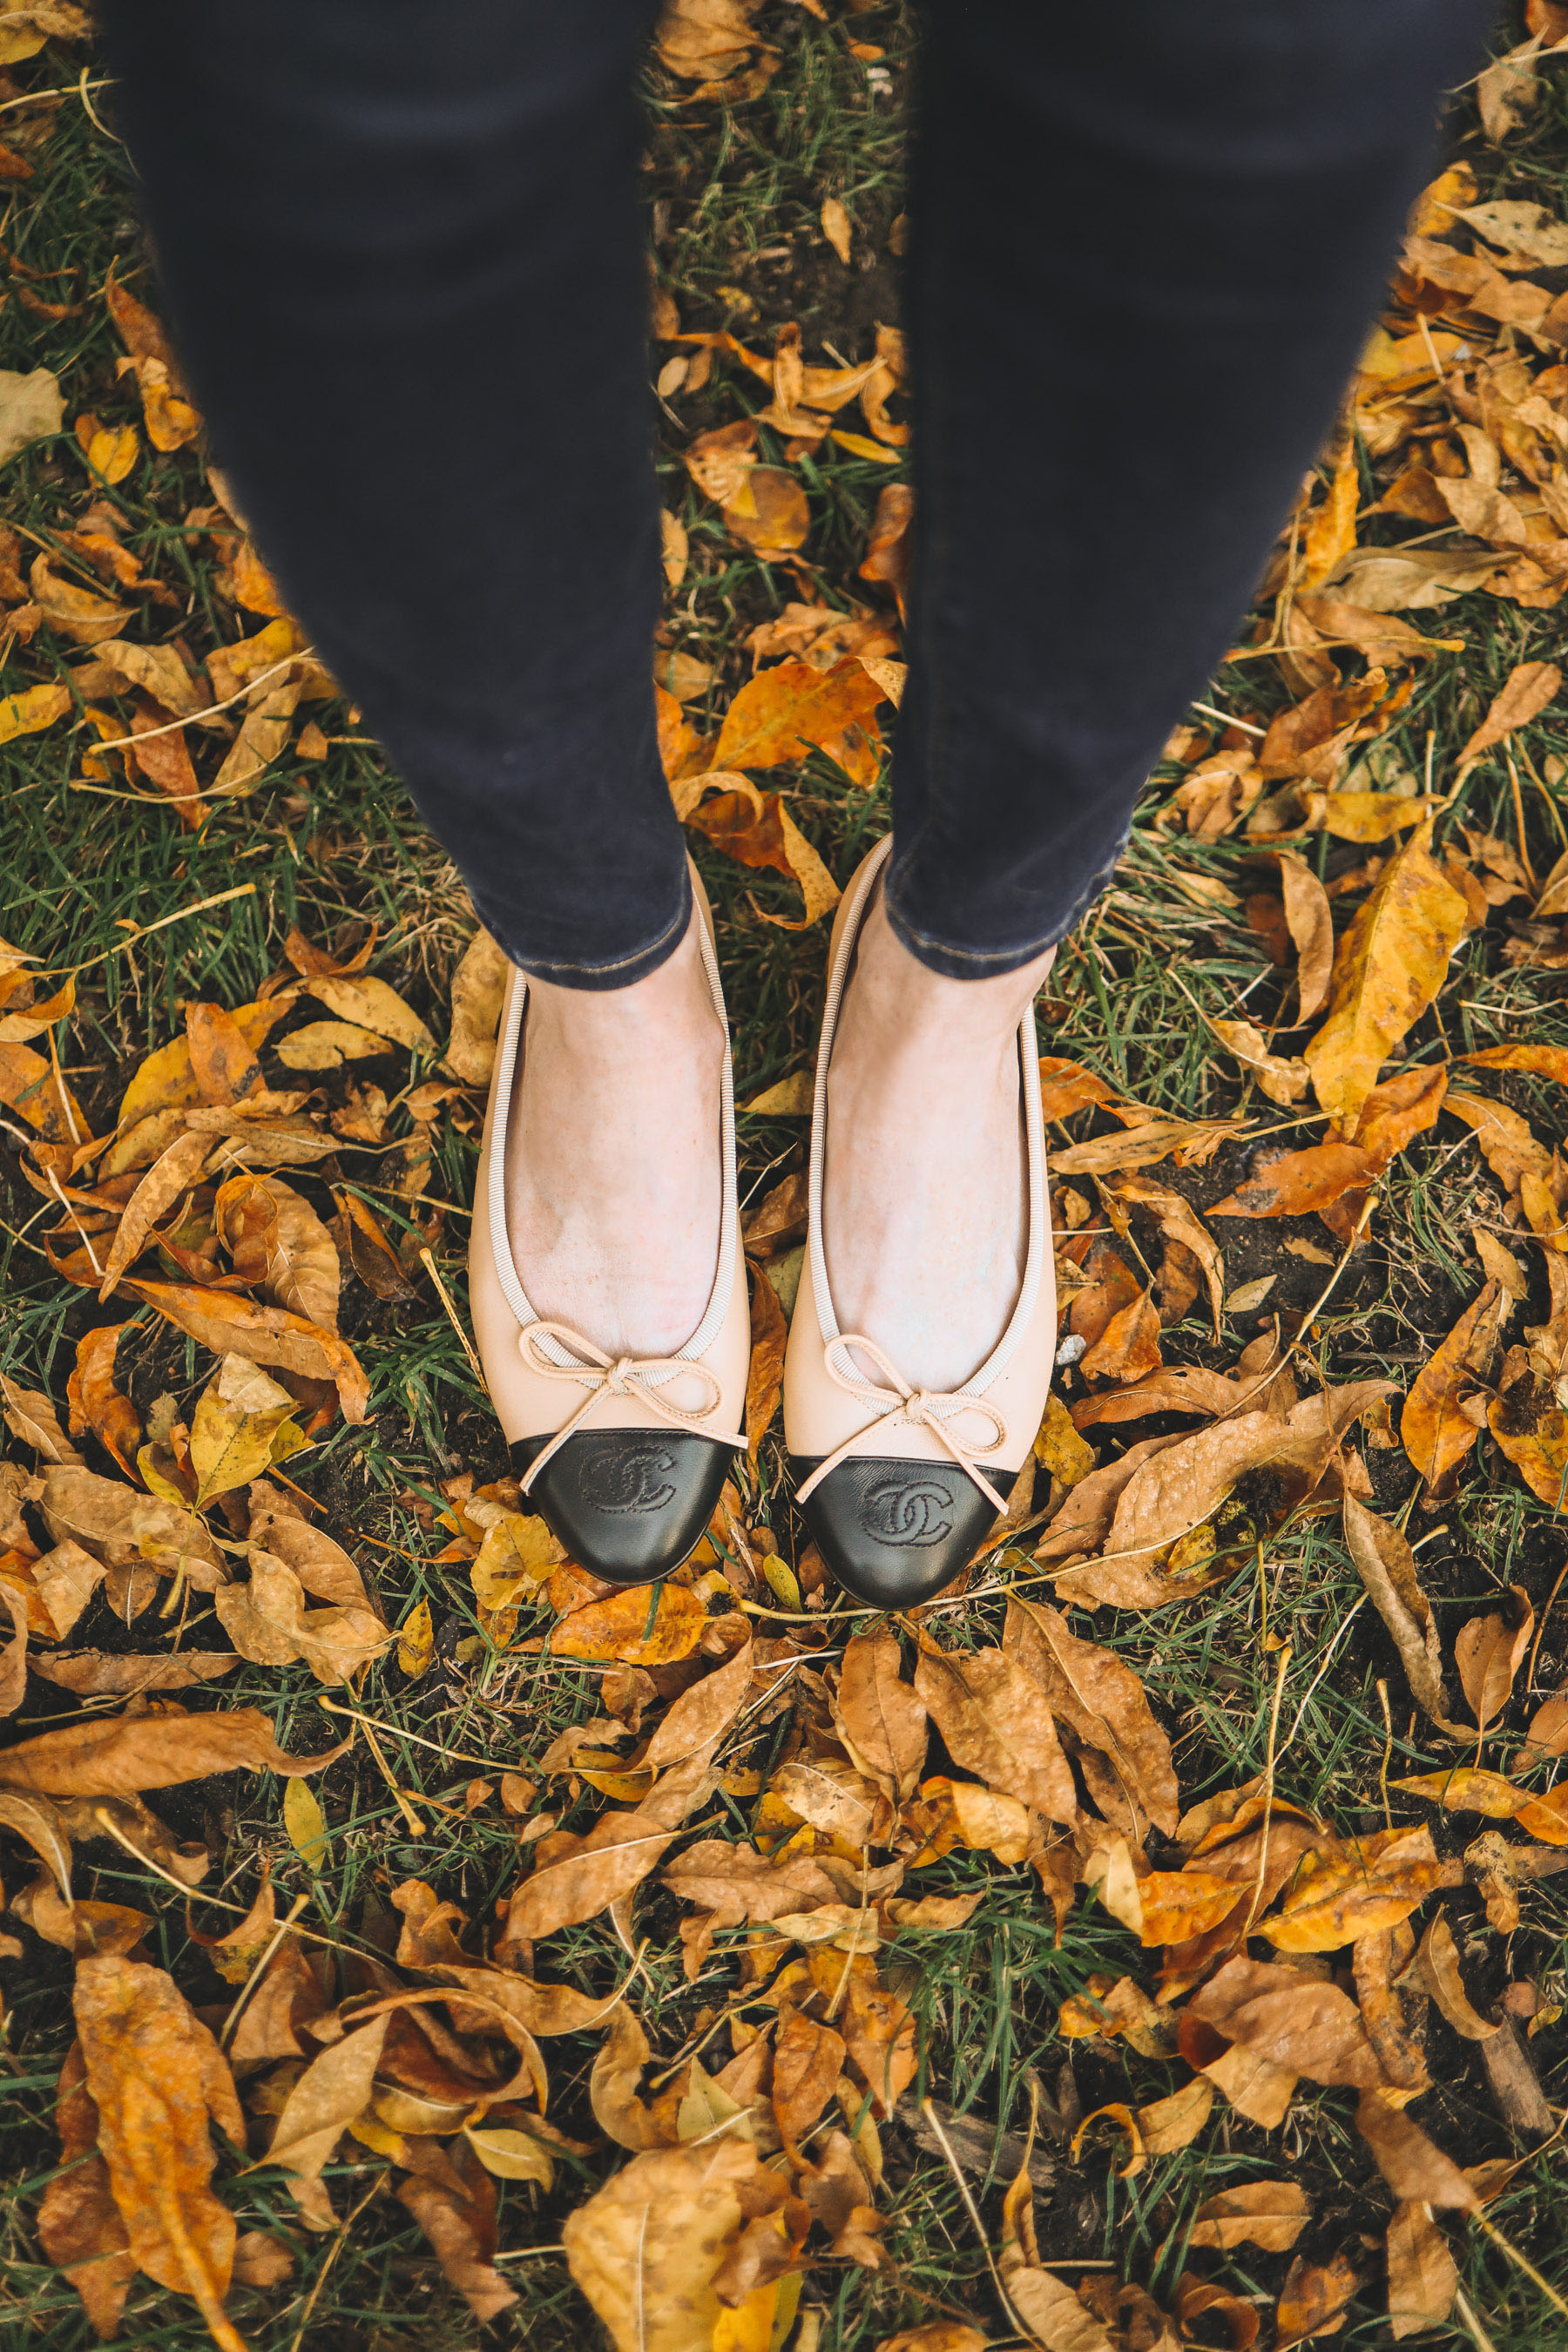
(613, 1171)
(924, 1206)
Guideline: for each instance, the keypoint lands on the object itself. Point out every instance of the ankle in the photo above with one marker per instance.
(897, 1007)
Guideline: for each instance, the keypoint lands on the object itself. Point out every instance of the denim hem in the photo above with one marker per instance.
(956, 963)
(620, 973)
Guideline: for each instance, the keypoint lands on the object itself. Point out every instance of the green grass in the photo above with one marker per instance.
(334, 845)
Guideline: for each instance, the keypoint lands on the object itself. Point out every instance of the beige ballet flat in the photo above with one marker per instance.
(900, 1486)
(625, 1459)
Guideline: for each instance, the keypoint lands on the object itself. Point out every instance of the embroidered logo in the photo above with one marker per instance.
(628, 1477)
(897, 1513)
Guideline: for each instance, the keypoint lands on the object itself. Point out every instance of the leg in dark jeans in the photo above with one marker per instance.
(401, 251)
(1149, 240)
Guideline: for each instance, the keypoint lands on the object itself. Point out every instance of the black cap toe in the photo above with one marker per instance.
(893, 1533)
(629, 1504)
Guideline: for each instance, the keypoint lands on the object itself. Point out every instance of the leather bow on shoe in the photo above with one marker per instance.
(616, 1376)
(897, 1403)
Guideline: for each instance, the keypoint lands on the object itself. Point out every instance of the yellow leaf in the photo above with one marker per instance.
(36, 707)
(1388, 969)
(512, 2156)
(416, 1641)
(112, 450)
(306, 1824)
(244, 1421)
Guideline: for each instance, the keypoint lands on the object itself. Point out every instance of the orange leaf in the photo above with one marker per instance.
(266, 1334)
(765, 1380)
(1435, 1433)
(782, 714)
(642, 1626)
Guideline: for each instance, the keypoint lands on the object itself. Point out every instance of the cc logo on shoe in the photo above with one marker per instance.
(898, 1514)
(629, 1478)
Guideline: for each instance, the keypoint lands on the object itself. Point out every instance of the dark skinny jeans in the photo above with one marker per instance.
(402, 252)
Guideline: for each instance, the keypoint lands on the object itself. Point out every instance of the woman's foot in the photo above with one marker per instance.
(612, 1170)
(924, 1207)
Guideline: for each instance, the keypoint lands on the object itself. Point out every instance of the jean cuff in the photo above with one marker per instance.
(621, 972)
(955, 961)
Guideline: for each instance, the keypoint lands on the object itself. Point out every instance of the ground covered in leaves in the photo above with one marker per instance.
(1157, 1940)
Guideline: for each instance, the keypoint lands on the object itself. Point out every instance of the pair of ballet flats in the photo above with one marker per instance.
(625, 1458)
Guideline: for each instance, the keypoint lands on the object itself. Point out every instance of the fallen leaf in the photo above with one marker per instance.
(1387, 969)
(1436, 1434)
(37, 707)
(125, 1755)
(333, 2089)
(266, 1621)
(128, 1531)
(371, 1003)
(453, 2199)
(764, 1377)
(616, 1854)
(1267, 2213)
(987, 1707)
(242, 1424)
(155, 2074)
(277, 1242)
(31, 409)
(479, 987)
(1413, 2165)
(30, 1415)
(97, 1674)
(1487, 1652)
(1438, 1957)
(641, 1626)
(1386, 1566)
(1170, 2124)
(782, 714)
(1359, 1889)
(268, 1335)
(1527, 690)
(1282, 1082)
(79, 2223)
(879, 1716)
(1314, 2300)
(1423, 2277)
(650, 2249)
(836, 227)
(95, 1404)
(807, 2059)
(1531, 1429)
(1103, 1702)
(1050, 2311)
(1298, 2023)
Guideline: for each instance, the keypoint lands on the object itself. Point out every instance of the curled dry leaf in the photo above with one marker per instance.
(371, 1003)
(125, 1529)
(333, 2089)
(479, 989)
(1387, 969)
(268, 1335)
(1295, 2021)
(172, 1173)
(1359, 1889)
(765, 1377)
(1283, 1082)
(1311, 921)
(1267, 2213)
(277, 1242)
(1438, 1957)
(1314, 2300)
(616, 1856)
(453, 2199)
(242, 1423)
(123, 1755)
(322, 1567)
(95, 1404)
(30, 1416)
(97, 1674)
(1103, 1702)
(1412, 2165)
(1488, 1652)
(269, 1625)
(1524, 695)
(1386, 1566)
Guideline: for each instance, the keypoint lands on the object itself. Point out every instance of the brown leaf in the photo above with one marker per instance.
(222, 1061)
(1387, 969)
(268, 1335)
(333, 2089)
(125, 1529)
(322, 1567)
(30, 1415)
(1180, 1223)
(277, 1242)
(373, 1259)
(122, 1756)
(1434, 1431)
(97, 1674)
(1267, 2213)
(1488, 1652)
(1392, 2005)
(95, 1404)
(1414, 2168)
(1049, 2309)
(782, 714)
(1524, 695)
(1359, 1889)
(1437, 1958)
(987, 1707)
(269, 1623)
(648, 2249)
(155, 2074)
(1196, 2297)
(172, 1173)
(479, 987)
(1531, 1429)
(614, 2084)
(879, 1719)
(765, 1377)
(807, 2058)
(641, 1626)
(453, 2199)
(1169, 2123)
(1281, 1081)
(880, 2036)
(78, 2222)
(890, 548)
(1191, 1141)
(616, 1856)
(1423, 2277)
(1084, 1519)
(1102, 1699)
(1386, 1566)
(1295, 2021)
(1314, 2300)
